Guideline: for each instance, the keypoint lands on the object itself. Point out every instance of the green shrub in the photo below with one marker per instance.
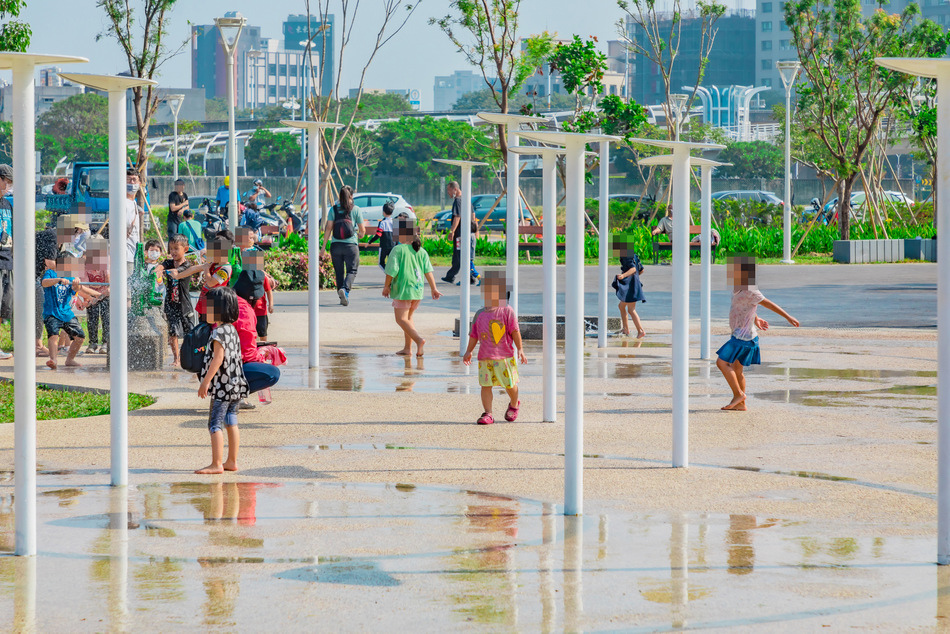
(290, 269)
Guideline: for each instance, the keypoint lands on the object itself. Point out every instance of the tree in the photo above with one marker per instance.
(141, 33)
(846, 94)
(483, 101)
(272, 152)
(751, 159)
(14, 35)
(582, 68)
(658, 37)
(216, 109)
(372, 106)
(407, 146)
(486, 33)
(362, 148)
(85, 112)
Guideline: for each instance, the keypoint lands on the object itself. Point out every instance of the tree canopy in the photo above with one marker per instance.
(751, 159)
(407, 146)
(273, 152)
(14, 35)
(85, 113)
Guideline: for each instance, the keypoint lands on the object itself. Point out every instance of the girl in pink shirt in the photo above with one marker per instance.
(742, 349)
(495, 331)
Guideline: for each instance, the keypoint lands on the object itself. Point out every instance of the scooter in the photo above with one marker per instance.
(211, 221)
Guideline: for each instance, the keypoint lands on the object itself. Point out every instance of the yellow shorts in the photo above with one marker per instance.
(503, 372)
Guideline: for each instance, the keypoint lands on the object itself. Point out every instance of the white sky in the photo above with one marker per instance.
(410, 60)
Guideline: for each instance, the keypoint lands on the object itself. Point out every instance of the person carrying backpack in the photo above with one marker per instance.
(344, 229)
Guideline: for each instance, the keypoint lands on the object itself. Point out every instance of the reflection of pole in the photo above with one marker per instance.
(573, 573)
(604, 244)
(465, 251)
(680, 187)
(119, 555)
(546, 581)
(705, 273)
(24, 594)
(679, 570)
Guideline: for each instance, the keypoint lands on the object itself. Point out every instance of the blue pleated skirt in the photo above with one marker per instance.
(745, 352)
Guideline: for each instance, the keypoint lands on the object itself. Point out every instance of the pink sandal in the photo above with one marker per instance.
(486, 419)
(511, 415)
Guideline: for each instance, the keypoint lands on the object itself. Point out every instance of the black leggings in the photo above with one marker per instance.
(346, 259)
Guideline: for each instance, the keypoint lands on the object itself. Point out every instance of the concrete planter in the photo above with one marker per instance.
(925, 250)
(532, 326)
(863, 251)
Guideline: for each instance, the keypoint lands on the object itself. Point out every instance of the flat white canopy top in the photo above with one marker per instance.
(310, 125)
(536, 150)
(921, 66)
(667, 159)
(567, 138)
(459, 163)
(10, 59)
(497, 117)
(673, 145)
(108, 83)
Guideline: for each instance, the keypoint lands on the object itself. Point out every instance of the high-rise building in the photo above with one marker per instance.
(450, 88)
(49, 76)
(295, 33)
(731, 60)
(209, 68)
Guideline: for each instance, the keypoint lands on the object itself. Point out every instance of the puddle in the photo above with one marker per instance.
(844, 398)
(805, 374)
(234, 555)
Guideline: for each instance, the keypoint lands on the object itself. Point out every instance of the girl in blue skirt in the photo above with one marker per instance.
(742, 349)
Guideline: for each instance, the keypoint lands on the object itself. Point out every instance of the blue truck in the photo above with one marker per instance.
(87, 194)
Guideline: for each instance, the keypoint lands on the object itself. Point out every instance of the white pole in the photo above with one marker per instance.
(24, 370)
(943, 319)
(680, 306)
(175, 169)
(604, 243)
(549, 299)
(705, 273)
(787, 207)
(232, 151)
(514, 219)
(313, 240)
(118, 310)
(574, 334)
(465, 222)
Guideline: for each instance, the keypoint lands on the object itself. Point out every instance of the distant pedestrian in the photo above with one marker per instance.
(224, 195)
(6, 248)
(177, 202)
(407, 271)
(191, 229)
(455, 192)
(384, 233)
(742, 349)
(345, 225)
(627, 284)
(496, 332)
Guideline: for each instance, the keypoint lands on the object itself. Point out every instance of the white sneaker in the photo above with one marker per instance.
(5, 355)
(91, 349)
(103, 349)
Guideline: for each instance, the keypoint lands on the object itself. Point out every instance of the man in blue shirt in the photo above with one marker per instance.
(224, 194)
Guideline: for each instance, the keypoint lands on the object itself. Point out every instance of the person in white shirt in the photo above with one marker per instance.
(133, 215)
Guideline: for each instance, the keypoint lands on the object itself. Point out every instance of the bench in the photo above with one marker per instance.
(538, 231)
(694, 230)
(369, 229)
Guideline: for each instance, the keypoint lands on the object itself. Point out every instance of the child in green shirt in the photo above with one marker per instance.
(407, 269)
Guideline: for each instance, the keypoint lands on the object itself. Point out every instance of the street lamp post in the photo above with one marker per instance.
(230, 27)
(789, 71)
(24, 237)
(939, 69)
(677, 103)
(313, 234)
(174, 104)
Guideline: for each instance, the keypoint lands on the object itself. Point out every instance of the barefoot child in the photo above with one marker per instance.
(58, 293)
(627, 284)
(743, 348)
(97, 271)
(407, 270)
(178, 311)
(495, 331)
(222, 378)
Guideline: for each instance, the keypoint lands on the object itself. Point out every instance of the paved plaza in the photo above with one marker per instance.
(369, 500)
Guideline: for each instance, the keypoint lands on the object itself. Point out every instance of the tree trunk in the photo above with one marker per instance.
(844, 206)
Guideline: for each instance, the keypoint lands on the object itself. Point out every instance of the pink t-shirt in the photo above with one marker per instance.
(742, 313)
(493, 327)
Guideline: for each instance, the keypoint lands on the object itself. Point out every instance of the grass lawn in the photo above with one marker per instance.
(56, 404)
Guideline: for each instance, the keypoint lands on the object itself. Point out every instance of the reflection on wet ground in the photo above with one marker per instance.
(237, 555)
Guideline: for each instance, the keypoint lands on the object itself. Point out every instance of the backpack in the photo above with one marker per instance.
(342, 224)
(193, 347)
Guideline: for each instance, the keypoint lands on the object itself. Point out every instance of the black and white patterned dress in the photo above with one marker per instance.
(229, 383)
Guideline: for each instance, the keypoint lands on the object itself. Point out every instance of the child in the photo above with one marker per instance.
(384, 231)
(743, 348)
(245, 238)
(58, 293)
(153, 251)
(627, 284)
(263, 289)
(494, 330)
(217, 271)
(222, 377)
(406, 270)
(178, 311)
(97, 271)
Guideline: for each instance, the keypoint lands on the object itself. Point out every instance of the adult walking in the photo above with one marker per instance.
(6, 248)
(177, 202)
(455, 192)
(407, 270)
(133, 216)
(344, 229)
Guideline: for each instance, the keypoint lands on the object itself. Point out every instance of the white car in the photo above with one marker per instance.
(371, 205)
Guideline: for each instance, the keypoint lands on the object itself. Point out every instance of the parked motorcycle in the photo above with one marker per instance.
(211, 221)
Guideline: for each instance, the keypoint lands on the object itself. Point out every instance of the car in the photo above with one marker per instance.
(859, 198)
(371, 205)
(748, 194)
(632, 198)
(481, 204)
